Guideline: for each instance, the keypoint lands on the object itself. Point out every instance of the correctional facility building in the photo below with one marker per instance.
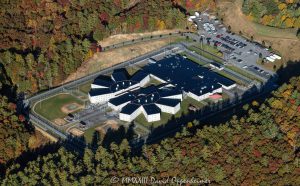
(130, 96)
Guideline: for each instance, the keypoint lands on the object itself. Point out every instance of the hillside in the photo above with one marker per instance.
(283, 14)
(260, 148)
(47, 40)
(282, 40)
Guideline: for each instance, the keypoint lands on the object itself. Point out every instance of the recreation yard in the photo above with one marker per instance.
(59, 106)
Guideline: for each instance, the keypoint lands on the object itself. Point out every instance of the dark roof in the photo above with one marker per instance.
(147, 99)
(122, 85)
(139, 76)
(122, 99)
(148, 90)
(205, 89)
(103, 81)
(227, 82)
(120, 74)
(130, 108)
(99, 91)
(151, 109)
(168, 102)
(186, 75)
(169, 92)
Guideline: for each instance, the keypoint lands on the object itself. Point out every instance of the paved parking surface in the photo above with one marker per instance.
(237, 50)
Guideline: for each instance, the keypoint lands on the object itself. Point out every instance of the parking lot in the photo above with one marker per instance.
(237, 50)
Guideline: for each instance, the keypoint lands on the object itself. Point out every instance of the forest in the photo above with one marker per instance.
(44, 41)
(259, 148)
(276, 13)
(48, 40)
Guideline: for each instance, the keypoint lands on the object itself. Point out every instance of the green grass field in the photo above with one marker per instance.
(85, 88)
(244, 73)
(88, 133)
(206, 55)
(51, 108)
(165, 117)
(222, 73)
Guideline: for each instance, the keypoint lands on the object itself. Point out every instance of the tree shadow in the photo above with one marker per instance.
(230, 108)
(28, 156)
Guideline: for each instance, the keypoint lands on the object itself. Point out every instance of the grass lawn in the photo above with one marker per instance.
(164, 118)
(182, 39)
(243, 72)
(51, 108)
(185, 106)
(88, 133)
(210, 49)
(85, 88)
(221, 72)
(205, 54)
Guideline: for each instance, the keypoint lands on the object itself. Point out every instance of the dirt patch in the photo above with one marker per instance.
(108, 124)
(72, 107)
(119, 38)
(76, 132)
(283, 41)
(107, 59)
(40, 138)
(59, 121)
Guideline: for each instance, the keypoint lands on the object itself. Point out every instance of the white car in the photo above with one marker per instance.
(245, 66)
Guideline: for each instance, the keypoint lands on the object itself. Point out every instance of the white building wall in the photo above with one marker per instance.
(157, 78)
(199, 98)
(101, 98)
(94, 86)
(129, 118)
(179, 96)
(153, 117)
(168, 109)
(145, 81)
(229, 87)
(119, 107)
(219, 90)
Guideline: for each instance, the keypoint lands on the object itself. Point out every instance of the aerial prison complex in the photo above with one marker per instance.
(179, 77)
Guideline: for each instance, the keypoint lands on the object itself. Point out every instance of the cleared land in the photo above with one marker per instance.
(52, 108)
(119, 38)
(282, 40)
(106, 59)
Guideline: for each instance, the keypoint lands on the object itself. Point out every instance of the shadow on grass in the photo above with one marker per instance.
(207, 114)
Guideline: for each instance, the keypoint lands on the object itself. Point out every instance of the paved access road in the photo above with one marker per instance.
(238, 51)
(47, 125)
